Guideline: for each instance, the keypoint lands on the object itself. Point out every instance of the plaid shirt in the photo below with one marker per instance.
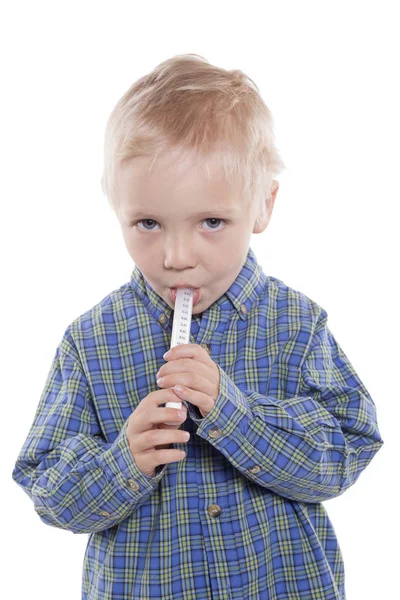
(242, 515)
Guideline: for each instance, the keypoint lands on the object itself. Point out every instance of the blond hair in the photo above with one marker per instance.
(188, 104)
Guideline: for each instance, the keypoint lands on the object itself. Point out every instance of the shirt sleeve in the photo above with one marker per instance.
(310, 447)
(76, 479)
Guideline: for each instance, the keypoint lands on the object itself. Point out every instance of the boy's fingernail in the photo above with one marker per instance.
(167, 354)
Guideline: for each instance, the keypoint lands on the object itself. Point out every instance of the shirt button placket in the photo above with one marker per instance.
(214, 510)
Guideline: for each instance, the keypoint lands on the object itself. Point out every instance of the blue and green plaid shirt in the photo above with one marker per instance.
(241, 517)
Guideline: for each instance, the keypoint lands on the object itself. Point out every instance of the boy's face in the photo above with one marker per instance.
(168, 239)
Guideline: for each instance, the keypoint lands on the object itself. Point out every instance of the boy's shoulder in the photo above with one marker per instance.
(113, 311)
(297, 303)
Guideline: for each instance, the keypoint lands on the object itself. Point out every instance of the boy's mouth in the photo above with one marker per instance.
(196, 296)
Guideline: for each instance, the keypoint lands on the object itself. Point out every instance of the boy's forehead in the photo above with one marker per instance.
(174, 164)
(178, 180)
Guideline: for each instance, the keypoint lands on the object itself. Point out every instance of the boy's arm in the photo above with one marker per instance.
(310, 447)
(76, 479)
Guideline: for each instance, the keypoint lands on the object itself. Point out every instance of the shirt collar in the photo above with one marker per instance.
(241, 295)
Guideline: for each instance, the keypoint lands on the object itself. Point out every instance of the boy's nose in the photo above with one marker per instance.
(179, 255)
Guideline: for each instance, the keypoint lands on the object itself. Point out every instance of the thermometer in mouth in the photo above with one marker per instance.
(181, 327)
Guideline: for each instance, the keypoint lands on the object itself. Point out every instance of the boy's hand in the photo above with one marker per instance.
(190, 367)
(149, 435)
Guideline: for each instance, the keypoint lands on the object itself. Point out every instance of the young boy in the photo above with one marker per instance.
(227, 505)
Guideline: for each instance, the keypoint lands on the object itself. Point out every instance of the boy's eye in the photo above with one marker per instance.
(146, 221)
(149, 224)
(214, 225)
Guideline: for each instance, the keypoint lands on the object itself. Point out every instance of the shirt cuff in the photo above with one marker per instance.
(230, 413)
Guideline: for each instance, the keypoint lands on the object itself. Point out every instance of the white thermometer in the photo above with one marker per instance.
(181, 327)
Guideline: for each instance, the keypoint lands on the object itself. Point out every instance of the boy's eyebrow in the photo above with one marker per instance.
(214, 211)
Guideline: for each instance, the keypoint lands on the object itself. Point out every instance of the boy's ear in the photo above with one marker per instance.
(260, 227)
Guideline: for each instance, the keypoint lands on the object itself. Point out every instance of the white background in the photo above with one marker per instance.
(329, 74)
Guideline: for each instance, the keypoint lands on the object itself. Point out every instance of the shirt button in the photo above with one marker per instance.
(206, 347)
(104, 513)
(163, 318)
(214, 510)
(255, 469)
(243, 308)
(133, 484)
(214, 433)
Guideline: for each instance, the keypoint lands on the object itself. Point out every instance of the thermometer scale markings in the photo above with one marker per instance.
(181, 327)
